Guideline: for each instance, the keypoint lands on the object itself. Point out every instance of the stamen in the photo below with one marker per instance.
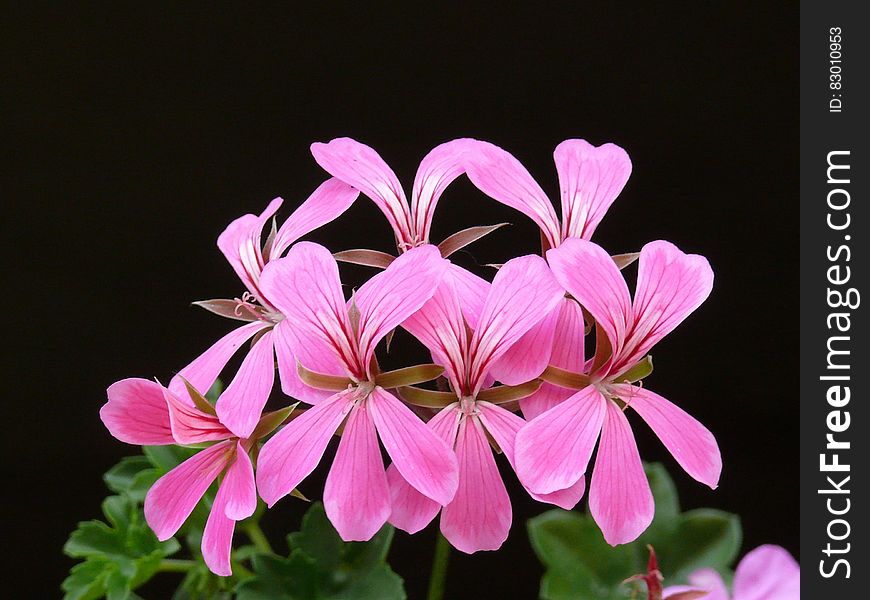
(245, 304)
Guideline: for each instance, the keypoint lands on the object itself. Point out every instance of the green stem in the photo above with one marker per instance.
(175, 565)
(252, 529)
(239, 570)
(439, 569)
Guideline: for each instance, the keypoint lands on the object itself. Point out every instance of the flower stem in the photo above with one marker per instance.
(439, 569)
(252, 529)
(175, 565)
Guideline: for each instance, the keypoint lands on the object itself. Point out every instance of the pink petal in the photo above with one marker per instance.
(190, 425)
(479, 517)
(356, 496)
(411, 510)
(241, 404)
(292, 453)
(306, 288)
(472, 291)
(690, 443)
(620, 499)
(439, 326)
(703, 579)
(203, 371)
(591, 276)
(437, 170)
(567, 498)
(553, 450)
(241, 245)
(323, 206)
(136, 413)
(315, 358)
(590, 179)
(501, 176)
(423, 459)
(174, 496)
(241, 491)
(767, 573)
(360, 166)
(522, 294)
(530, 355)
(236, 499)
(394, 294)
(567, 353)
(670, 286)
(503, 426)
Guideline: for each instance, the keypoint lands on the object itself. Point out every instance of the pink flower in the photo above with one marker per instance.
(590, 179)
(766, 573)
(337, 341)
(360, 166)
(240, 404)
(143, 412)
(479, 516)
(553, 450)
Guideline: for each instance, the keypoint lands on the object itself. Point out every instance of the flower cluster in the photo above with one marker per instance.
(510, 354)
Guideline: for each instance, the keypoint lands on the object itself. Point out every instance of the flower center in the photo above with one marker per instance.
(468, 405)
(250, 307)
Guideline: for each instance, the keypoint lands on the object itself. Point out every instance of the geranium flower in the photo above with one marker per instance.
(590, 179)
(553, 450)
(363, 168)
(767, 573)
(240, 404)
(336, 342)
(479, 516)
(143, 412)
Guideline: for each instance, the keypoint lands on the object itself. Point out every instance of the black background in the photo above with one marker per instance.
(137, 134)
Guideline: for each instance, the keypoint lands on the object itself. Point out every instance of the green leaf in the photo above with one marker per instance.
(317, 538)
(119, 555)
(166, 458)
(324, 567)
(705, 538)
(381, 583)
(121, 477)
(580, 565)
(94, 538)
(201, 584)
(667, 511)
(278, 578)
(86, 581)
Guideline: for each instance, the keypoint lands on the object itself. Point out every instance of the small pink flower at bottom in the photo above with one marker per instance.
(767, 573)
(479, 516)
(143, 412)
(554, 449)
